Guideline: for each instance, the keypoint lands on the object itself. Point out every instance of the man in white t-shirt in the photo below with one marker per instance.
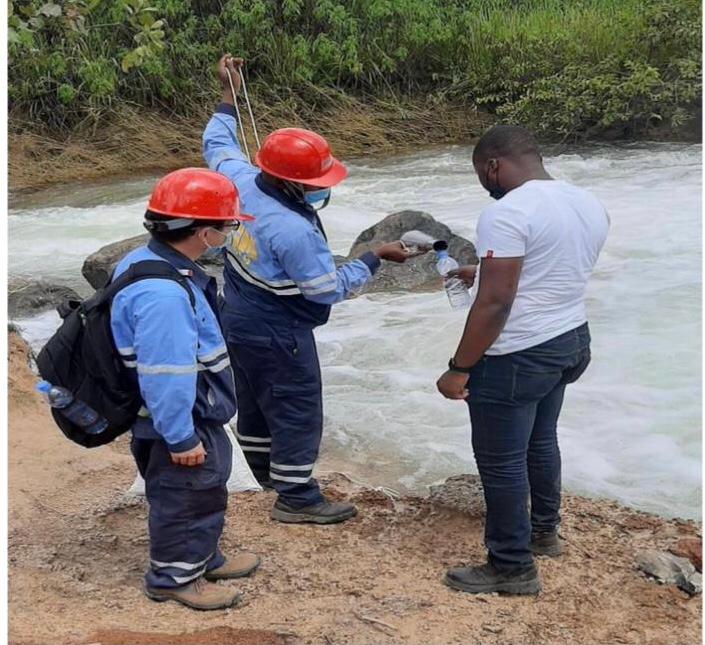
(525, 339)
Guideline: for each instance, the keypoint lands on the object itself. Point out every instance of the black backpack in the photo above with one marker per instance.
(81, 356)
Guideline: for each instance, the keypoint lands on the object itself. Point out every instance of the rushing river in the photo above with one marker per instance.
(630, 429)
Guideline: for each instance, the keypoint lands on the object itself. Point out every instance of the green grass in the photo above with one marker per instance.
(570, 69)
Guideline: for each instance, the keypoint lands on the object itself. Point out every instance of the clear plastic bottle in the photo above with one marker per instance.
(74, 410)
(455, 287)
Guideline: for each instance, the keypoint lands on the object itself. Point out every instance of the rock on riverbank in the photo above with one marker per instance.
(30, 297)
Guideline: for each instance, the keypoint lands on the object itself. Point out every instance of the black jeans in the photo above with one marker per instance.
(515, 400)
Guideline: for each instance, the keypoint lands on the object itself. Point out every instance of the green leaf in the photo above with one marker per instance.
(50, 10)
(130, 60)
(66, 93)
(146, 19)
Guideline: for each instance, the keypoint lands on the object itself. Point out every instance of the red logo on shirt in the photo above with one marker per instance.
(489, 254)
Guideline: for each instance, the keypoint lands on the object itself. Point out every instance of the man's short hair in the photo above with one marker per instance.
(505, 141)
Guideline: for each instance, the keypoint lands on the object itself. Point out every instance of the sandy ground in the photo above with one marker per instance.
(77, 550)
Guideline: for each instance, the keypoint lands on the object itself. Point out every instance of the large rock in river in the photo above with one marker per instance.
(28, 297)
(99, 266)
(418, 273)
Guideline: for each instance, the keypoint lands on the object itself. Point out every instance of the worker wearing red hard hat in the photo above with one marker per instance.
(280, 283)
(164, 323)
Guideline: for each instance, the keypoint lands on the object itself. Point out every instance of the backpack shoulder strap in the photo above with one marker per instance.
(147, 270)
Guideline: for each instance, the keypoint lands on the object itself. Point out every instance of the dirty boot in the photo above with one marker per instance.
(487, 579)
(547, 544)
(197, 595)
(238, 566)
(322, 513)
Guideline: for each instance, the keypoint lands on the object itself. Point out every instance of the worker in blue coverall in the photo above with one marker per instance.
(280, 283)
(178, 356)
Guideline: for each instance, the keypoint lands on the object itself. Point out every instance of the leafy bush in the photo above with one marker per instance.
(571, 69)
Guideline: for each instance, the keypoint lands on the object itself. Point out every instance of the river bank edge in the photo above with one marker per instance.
(133, 141)
(138, 141)
(77, 547)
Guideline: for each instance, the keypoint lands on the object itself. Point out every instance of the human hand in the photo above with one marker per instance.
(453, 385)
(233, 65)
(466, 273)
(392, 252)
(411, 250)
(194, 457)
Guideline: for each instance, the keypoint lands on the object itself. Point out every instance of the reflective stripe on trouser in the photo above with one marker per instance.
(280, 411)
(186, 508)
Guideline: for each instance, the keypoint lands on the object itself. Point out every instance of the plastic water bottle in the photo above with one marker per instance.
(455, 287)
(74, 410)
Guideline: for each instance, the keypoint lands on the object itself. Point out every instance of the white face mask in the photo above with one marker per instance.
(215, 250)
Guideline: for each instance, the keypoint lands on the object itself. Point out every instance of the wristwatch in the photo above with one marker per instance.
(455, 368)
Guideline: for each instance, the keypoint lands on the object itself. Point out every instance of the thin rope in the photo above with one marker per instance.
(237, 112)
(249, 107)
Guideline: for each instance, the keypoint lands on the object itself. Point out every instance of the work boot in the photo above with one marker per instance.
(546, 543)
(197, 595)
(239, 566)
(322, 513)
(487, 579)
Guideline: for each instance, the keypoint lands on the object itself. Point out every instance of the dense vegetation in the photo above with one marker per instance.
(571, 69)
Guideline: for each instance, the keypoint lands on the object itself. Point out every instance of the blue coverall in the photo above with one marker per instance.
(280, 283)
(183, 368)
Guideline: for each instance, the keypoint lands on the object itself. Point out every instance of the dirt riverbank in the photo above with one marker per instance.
(134, 141)
(77, 548)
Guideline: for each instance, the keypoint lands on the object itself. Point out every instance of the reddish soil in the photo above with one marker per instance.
(78, 547)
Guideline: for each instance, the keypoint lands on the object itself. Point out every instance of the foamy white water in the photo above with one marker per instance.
(630, 429)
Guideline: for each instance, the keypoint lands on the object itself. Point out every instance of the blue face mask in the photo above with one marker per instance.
(312, 197)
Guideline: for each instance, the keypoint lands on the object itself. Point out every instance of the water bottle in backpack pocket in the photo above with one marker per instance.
(71, 408)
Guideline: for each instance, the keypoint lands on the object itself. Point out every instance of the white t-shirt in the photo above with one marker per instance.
(559, 230)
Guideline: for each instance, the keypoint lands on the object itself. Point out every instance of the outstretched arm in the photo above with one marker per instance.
(306, 258)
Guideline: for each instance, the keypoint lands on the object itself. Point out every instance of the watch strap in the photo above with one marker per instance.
(455, 368)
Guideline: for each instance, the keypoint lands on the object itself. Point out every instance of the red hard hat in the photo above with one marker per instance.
(197, 193)
(302, 156)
